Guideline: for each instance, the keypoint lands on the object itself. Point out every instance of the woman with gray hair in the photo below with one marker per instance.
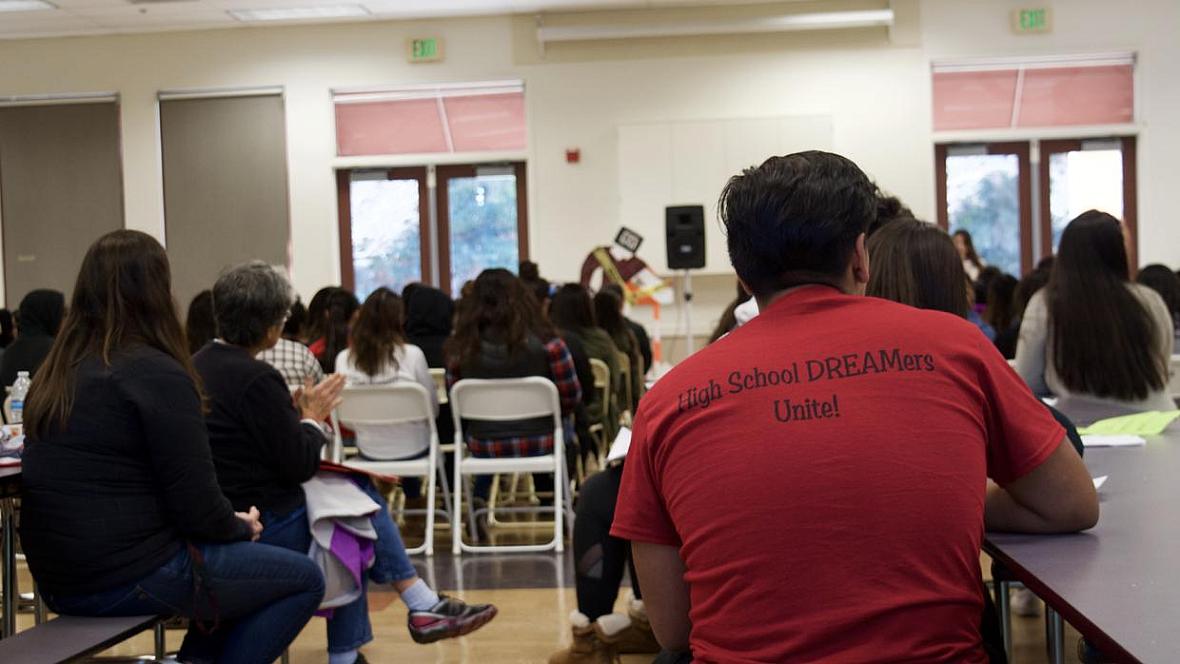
(266, 444)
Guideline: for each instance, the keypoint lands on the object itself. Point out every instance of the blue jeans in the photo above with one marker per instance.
(259, 596)
(349, 627)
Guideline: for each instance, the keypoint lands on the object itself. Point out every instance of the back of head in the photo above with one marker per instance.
(498, 309)
(1162, 280)
(248, 301)
(41, 313)
(317, 312)
(915, 263)
(338, 311)
(889, 209)
(1104, 340)
(962, 238)
(571, 308)
(7, 328)
(1001, 302)
(296, 323)
(429, 313)
(608, 311)
(199, 325)
(1028, 286)
(378, 332)
(123, 296)
(529, 271)
(795, 220)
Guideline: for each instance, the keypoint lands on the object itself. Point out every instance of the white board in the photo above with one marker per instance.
(689, 162)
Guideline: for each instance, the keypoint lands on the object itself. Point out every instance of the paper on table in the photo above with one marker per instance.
(1149, 423)
(1124, 440)
(1099, 481)
(622, 444)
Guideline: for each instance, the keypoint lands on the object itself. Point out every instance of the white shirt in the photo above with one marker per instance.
(393, 441)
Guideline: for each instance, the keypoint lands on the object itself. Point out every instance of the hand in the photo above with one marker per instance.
(316, 402)
(254, 519)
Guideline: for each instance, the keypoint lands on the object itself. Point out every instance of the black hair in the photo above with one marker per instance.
(571, 308)
(1162, 280)
(200, 327)
(889, 209)
(795, 220)
(296, 321)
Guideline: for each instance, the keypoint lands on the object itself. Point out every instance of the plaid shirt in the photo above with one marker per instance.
(294, 361)
(569, 392)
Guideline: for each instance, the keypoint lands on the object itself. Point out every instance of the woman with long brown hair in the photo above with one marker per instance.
(1092, 332)
(379, 355)
(121, 512)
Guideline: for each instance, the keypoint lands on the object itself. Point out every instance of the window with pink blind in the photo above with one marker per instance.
(1039, 95)
(477, 117)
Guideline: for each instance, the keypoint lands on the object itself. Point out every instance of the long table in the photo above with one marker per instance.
(1119, 583)
(9, 490)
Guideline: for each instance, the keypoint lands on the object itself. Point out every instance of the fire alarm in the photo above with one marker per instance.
(573, 155)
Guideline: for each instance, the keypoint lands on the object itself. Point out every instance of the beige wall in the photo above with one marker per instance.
(876, 91)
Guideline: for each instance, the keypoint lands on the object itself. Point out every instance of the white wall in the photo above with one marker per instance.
(877, 95)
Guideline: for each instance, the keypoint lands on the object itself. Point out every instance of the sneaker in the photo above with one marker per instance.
(1025, 603)
(587, 646)
(448, 619)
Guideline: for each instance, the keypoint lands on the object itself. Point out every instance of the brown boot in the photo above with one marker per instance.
(629, 634)
(587, 647)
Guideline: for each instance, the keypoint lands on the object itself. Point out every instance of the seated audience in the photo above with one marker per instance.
(1091, 333)
(265, 447)
(429, 317)
(38, 318)
(199, 326)
(293, 360)
(1164, 281)
(797, 461)
(608, 312)
(572, 311)
(972, 263)
(379, 355)
(328, 330)
(121, 514)
(636, 328)
(500, 333)
(1002, 315)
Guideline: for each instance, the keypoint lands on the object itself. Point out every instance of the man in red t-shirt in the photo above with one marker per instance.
(814, 487)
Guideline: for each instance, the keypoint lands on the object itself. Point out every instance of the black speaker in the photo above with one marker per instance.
(685, 229)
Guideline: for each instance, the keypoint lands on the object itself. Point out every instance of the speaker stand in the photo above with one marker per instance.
(687, 304)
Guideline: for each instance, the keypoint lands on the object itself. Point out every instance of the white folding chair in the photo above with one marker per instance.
(440, 384)
(393, 404)
(507, 400)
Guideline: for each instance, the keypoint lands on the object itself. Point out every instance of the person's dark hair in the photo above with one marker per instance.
(571, 308)
(983, 282)
(915, 263)
(498, 309)
(795, 220)
(429, 312)
(7, 328)
(1001, 302)
(123, 296)
(199, 325)
(378, 332)
(1046, 263)
(728, 319)
(969, 246)
(248, 300)
(889, 209)
(1104, 340)
(41, 313)
(338, 311)
(1028, 286)
(529, 271)
(1161, 279)
(296, 321)
(317, 314)
(608, 312)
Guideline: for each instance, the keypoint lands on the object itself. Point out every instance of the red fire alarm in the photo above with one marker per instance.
(573, 155)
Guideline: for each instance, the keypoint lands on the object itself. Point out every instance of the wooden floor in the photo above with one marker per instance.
(531, 625)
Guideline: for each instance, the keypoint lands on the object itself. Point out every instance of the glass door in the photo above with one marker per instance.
(1081, 175)
(482, 220)
(384, 236)
(986, 190)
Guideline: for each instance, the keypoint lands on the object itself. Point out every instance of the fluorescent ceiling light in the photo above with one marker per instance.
(783, 23)
(25, 5)
(299, 13)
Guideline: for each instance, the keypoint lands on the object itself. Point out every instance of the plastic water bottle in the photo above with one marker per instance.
(20, 389)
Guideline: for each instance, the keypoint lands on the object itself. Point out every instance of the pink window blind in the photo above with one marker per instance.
(1034, 96)
(423, 119)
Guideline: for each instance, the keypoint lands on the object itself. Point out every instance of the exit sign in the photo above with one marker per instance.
(1032, 20)
(425, 49)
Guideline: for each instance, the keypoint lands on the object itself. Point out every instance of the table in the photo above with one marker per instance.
(9, 490)
(1119, 583)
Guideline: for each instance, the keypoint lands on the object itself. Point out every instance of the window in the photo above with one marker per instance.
(1080, 175)
(386, 239)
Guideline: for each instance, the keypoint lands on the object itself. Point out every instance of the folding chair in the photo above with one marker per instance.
(394, 404)
(507, 400)
(601, 373)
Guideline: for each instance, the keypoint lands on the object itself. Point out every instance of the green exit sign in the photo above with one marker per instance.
(425, 49)
(1032, 20)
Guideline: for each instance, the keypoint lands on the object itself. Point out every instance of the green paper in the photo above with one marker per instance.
(1150, 423)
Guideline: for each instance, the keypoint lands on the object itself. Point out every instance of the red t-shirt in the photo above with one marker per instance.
(822, 470)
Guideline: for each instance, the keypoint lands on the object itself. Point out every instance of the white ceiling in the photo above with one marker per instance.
(91, 17)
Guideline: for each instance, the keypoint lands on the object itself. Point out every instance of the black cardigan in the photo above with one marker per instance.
(262, 451)
(111, 497)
